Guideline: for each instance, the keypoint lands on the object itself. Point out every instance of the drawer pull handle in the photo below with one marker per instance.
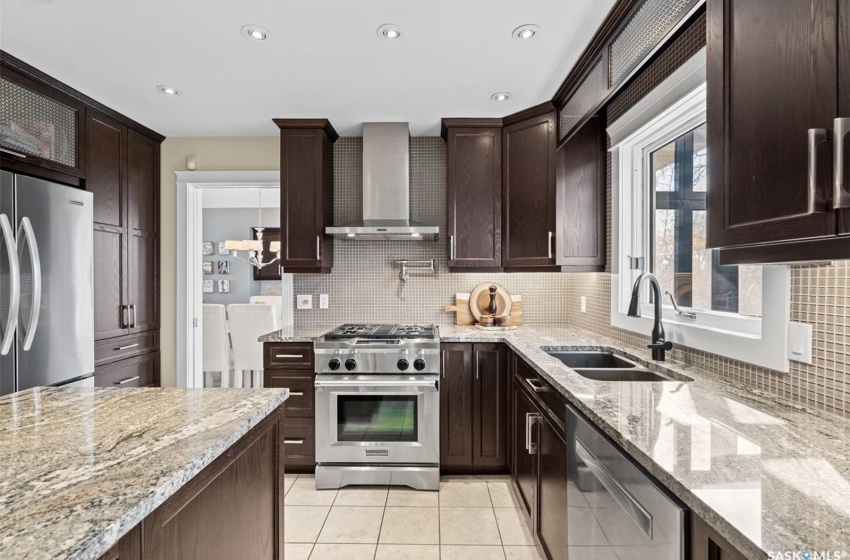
(296, 393)
(127, 347)
(293, 441)
(123, 381)
(534, 387)
(289, 355)
(14, 153)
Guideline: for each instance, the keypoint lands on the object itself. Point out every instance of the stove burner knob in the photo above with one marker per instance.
(350, 364)
(333, 364)
(403, 364)
(419, 364)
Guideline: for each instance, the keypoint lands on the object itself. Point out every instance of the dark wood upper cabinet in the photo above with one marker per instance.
(474, 193)
(580, 200)
(306, 189)
(143, 221)
(271, 271)
(770, 171)
(528, 192)
(489, 405)
(456, 415)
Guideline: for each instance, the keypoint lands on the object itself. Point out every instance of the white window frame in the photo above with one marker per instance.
(672, 109)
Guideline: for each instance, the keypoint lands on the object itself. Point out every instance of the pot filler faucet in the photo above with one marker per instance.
(659, 346)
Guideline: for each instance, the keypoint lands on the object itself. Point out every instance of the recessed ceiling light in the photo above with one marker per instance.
(168, 90)
(525, 32)
(255, 32)
(501, 96)
(389, 31)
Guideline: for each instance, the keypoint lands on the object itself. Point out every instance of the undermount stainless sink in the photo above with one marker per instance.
(601, 365)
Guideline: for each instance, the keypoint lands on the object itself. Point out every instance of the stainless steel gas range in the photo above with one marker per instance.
(378, 406)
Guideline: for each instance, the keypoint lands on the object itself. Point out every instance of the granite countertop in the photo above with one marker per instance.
(81, 467)
(768, 475)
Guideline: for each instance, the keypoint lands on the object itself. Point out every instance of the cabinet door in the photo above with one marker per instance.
(552, 497)
(306, 171)
(580, 214)
(142, 213)
(489, 406)
(525, 434)
(474, 197)
(128, 548)
(456, 386)
(771, 78)
(528, 192)
(106, 179)
(706, 544)
(844, 101)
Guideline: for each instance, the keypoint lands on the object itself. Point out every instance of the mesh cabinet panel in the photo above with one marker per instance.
(642, 33)
(35, 125)
(591, 91)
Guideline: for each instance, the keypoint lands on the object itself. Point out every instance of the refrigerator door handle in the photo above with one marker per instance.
(14, 285)
(25, 232)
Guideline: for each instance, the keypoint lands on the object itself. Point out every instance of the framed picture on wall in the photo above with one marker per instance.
(224, 267)
(208, 267)
(224, 286)
(208, 248)
(221, 249)
(208, 287)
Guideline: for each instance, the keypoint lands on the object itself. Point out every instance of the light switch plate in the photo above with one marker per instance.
(304, 302)
(800, 342)
(323, 301)
(583, 304)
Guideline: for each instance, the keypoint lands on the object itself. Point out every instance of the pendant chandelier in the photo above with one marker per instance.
(254, 247)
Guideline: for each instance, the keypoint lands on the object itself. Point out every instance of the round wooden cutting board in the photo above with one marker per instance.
(479, 299)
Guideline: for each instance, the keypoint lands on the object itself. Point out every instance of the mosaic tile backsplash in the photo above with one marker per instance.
(365, 285)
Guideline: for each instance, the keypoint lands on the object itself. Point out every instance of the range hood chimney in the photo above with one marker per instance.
(386, 187)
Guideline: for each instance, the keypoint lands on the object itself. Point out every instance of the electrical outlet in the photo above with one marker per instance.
(583, 304)
(800, 342)
(304, 302)
(323, 301)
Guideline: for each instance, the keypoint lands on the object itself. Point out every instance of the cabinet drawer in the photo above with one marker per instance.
(290, 355)
(301, 390)
(299, 443)
(114, 349)
(141, 371)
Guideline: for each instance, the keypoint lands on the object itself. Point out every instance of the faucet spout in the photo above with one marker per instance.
(659, 345)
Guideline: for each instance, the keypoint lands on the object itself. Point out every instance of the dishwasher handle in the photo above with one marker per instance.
(639, 514)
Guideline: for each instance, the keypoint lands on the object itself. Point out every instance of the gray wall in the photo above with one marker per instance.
(235, 223)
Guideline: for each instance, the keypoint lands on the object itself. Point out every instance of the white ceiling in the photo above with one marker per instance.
(324, 58)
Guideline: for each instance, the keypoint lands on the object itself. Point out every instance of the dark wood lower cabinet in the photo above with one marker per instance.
(489, 403)
(231, 509)
(706, 544)
(456, 419)
(524, 463)
(552, 495)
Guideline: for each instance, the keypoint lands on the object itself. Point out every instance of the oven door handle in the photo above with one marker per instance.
(325, 384)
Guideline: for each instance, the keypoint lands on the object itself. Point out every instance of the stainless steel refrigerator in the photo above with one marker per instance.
(46, 293)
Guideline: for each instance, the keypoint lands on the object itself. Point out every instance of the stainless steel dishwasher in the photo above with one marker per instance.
(616, 509)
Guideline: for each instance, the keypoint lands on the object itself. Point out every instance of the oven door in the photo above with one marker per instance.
(378, 419)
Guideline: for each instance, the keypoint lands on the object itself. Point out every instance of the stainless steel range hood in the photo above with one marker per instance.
(386, 188)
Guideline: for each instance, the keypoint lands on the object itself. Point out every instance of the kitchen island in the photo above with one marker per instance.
(141, 473)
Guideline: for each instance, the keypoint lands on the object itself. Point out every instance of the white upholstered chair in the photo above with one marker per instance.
(276, 301)
(217, 354)
(248, 322)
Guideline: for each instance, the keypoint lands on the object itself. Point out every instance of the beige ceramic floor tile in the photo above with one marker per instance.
(297, 551)
(362, 496)
(288, 480)
(476, 526)
(502, 493)
(464, 493)
(302, 524)
(407, 552)
(303, 493)
(512, 527)
(530, 553)
(352, 525)
(591, 553)
(407, 497)
(460, 552)
(405, 525)
(342, 552)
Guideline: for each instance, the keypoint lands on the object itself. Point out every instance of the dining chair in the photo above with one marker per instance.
(248, 322)
(217, 353)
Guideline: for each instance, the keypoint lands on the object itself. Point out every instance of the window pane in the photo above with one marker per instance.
(700, 152)
(663, 168)
(376, 418)
(664, 256)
